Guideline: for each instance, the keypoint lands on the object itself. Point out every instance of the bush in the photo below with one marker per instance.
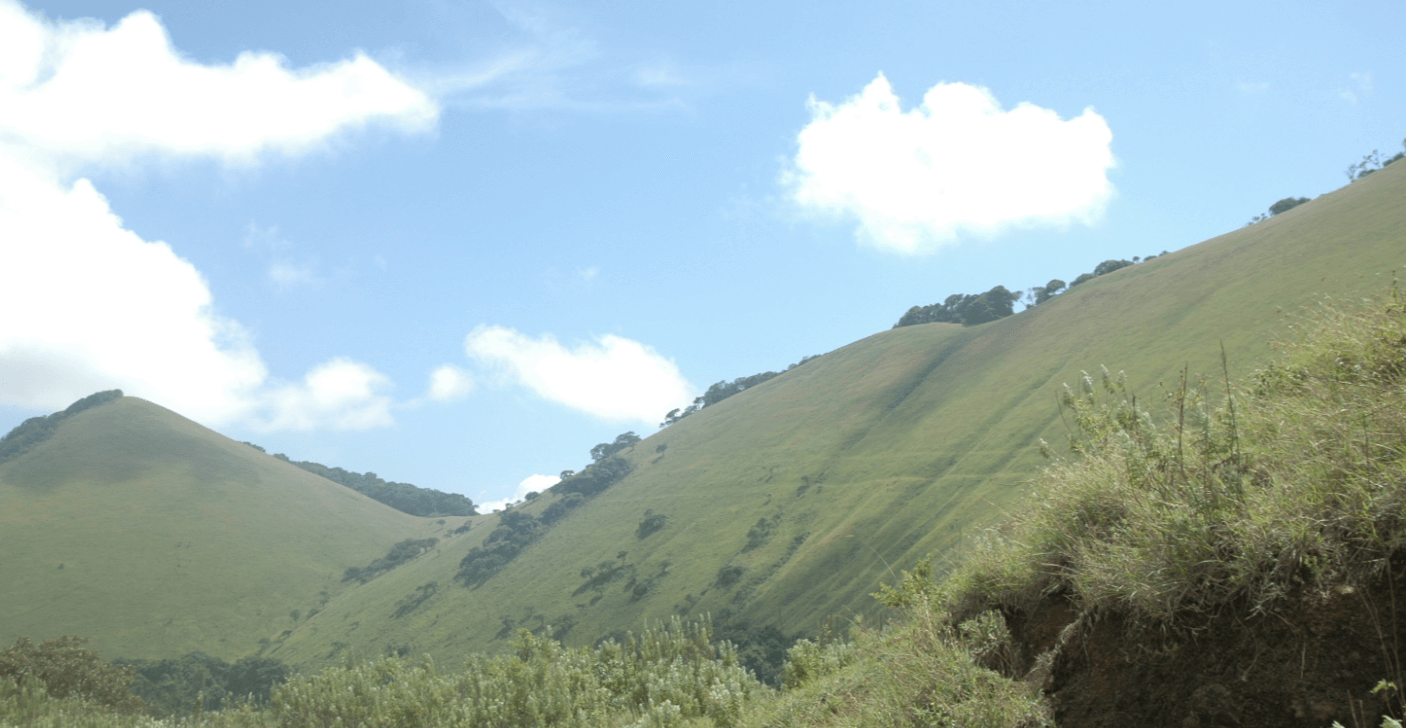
(66, 670)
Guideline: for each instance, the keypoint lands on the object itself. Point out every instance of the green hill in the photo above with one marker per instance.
(786, 505)
(155, 536)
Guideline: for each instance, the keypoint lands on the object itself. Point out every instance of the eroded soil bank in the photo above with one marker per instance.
(1312, 660)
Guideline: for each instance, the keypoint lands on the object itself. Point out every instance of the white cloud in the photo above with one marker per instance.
(1247, 88)
(83, 93)
(615, 379)
(958, 163)
(94, 306)
(341, 394)
(530, 484)
(449, 383)
(1362, 86)
(286, 274)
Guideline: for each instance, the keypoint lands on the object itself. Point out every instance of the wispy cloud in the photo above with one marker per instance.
(1247, 88)
(614, 379)
(552, 65)
(1359, 86)
(287, 275)
(956, 164)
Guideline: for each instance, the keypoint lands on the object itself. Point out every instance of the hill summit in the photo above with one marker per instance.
(156, 536)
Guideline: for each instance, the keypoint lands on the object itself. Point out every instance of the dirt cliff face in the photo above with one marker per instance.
(1311, 660)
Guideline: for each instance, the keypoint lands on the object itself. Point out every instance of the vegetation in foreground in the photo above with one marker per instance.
(1297, 479)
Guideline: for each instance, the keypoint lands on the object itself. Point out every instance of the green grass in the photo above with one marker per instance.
(874, 455)
(1223, 493)
(156, 537)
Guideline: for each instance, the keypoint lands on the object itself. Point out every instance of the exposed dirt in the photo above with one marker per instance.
(1314, 660)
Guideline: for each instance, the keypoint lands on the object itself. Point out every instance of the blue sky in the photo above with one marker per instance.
(459, 243)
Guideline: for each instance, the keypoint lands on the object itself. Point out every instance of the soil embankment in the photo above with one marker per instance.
(1310, 660)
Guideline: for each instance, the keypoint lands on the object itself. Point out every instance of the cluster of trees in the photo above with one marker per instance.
(35, 430)
(970, 309)
(604, 471)
(516, 531)
(604, 450)
(966, 309)
(403, 497)
(724, 389)
(175, 687)
(399, 554)
(594, 479)
(1284, 205)
(68, 670)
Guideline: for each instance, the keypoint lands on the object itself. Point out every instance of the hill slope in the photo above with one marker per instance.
(785, 504)
(155, 536)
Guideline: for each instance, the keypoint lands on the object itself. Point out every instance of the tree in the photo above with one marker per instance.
(1040, 294)
(606, 449)
(1286, 204)
(1108, 266)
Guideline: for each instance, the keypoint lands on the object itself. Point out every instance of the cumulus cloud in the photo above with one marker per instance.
(957, 163)
(615, 379)
(449, 383)
(530, 484)
(104, 308)
(82, 92)
(341, 394)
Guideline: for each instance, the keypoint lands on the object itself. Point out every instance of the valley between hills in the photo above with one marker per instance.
(779, 513)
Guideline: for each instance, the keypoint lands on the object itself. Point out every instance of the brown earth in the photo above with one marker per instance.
(1310, 660)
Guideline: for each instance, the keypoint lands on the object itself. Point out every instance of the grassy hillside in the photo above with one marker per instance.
(155, 536)
(787, 503)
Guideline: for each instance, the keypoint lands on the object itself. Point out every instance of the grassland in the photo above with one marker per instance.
(812, 485)
(155, 536)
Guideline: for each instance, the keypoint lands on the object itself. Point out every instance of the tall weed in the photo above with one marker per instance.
(1294, 480)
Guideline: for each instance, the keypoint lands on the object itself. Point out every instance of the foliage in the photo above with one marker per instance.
(1371, 163)
(651, 524)
(401, 496)
(720, 391)
(1297, 478)
(197, 681)
(65, 669)
(515, 531)
(606, 449)
(595, 478)
(398, 554)
(1040, 294)
(35, 430)
(920, 671)
(1284, 205)
(965, 309)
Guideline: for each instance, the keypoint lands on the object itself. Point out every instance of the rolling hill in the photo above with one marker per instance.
(774, 511)
(155, 536)
(786, 505)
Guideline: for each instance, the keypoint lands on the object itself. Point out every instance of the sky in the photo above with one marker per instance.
(458, 244)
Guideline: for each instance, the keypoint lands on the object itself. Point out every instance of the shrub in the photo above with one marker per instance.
(66, 670)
